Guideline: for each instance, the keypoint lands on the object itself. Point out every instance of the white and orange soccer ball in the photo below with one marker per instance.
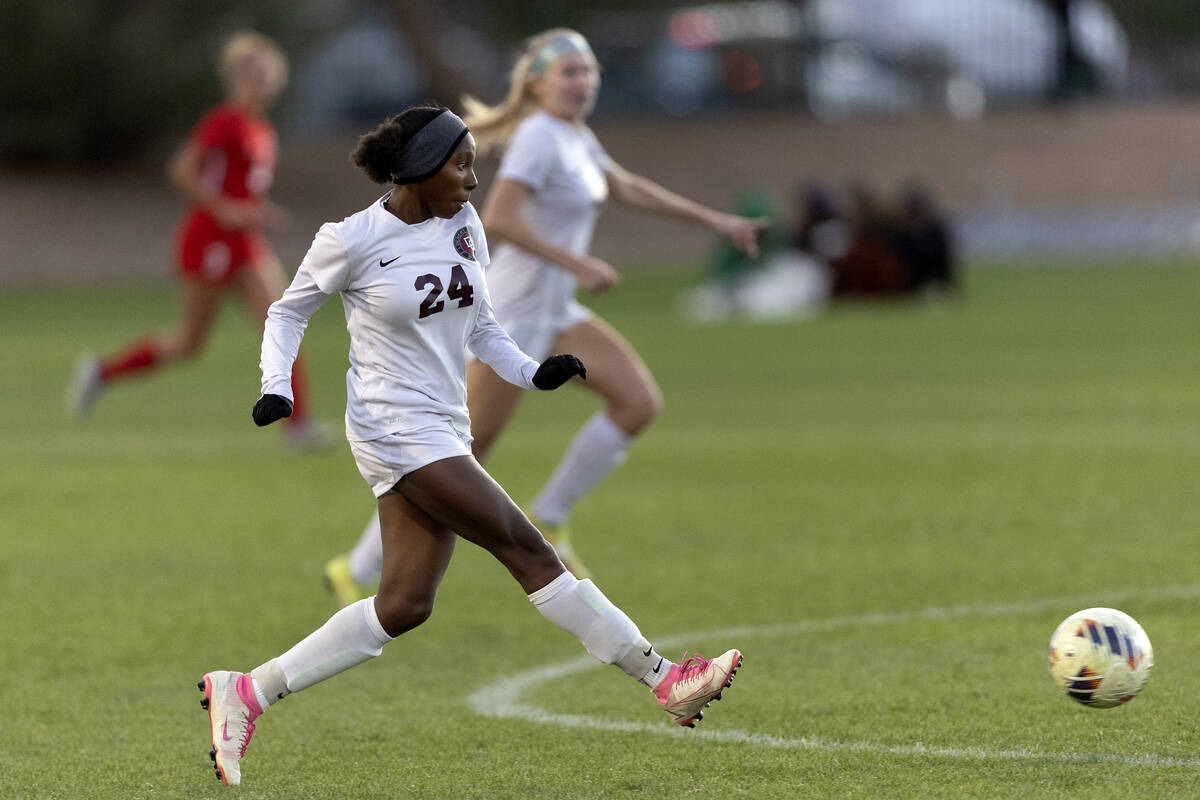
(1101, 657)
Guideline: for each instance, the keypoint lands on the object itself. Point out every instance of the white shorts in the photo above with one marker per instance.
(535, 333)
(383, 462)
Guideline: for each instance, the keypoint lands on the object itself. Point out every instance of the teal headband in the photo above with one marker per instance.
(559, 46)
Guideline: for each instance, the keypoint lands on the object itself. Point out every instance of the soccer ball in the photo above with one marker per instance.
(1100, 657)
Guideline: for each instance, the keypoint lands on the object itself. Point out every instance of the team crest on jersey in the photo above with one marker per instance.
(464, 244)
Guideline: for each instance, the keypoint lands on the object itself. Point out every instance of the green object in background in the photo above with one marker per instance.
(753, 201)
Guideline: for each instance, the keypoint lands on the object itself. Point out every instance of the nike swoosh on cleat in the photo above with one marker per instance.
(383, 263)
(225, 732)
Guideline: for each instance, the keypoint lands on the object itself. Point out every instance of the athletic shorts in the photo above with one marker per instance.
(535, 332)
(383, 462)
(209, 253)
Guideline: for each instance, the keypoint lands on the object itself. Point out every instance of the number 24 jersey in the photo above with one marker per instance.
(415, 300)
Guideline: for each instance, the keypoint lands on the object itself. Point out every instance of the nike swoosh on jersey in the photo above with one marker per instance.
(383, 263)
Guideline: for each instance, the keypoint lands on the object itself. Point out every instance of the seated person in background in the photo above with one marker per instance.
(923, 241)
(870, 265)
(820, 230)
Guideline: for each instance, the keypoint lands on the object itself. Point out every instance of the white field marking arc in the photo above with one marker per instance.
(502, 699)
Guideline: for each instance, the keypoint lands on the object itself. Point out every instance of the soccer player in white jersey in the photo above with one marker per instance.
(409, 270)
(553, 181)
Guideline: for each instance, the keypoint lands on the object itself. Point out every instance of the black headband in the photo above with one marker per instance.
(430, 148)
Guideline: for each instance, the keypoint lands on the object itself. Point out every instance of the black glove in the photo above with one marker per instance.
(557, 370)
(269, 408)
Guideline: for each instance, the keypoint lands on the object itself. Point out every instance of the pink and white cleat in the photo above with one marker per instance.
(689, 687)
(232, 709)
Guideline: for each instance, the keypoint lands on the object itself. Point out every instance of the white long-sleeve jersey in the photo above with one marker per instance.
(415, 300)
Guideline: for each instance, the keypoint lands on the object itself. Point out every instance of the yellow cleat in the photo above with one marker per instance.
(559, 537)
(341, 583)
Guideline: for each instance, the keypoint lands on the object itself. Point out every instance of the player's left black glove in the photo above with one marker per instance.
(269, 408)
(557, 370)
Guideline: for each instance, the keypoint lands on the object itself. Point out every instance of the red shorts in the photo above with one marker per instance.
(207, 252)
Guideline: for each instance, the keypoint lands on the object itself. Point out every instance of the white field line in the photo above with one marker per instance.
(503, 698)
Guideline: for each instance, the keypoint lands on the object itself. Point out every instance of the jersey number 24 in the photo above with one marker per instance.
(460, 289)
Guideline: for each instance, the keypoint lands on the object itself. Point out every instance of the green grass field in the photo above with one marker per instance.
(888, 509)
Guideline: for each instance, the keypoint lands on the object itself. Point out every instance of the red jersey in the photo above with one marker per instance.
(239, 152)
(239, 163)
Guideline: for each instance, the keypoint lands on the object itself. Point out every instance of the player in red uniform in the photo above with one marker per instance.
(224, 168)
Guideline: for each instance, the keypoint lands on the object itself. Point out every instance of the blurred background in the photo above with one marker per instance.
(1032, 127)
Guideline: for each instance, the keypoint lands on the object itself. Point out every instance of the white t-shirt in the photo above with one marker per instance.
(415, 300)
(564, 167)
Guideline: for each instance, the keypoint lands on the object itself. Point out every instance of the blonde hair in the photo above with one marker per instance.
(493, 126)
(244, 44)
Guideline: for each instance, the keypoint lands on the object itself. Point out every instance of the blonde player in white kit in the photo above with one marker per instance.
(409, 270)
(552, 184)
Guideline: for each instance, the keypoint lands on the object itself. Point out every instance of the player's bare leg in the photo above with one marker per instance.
(632, 400)
(616, 372)
(417, 550)
(198, 305)
(491, 401)
(463, 497)
(416, 524)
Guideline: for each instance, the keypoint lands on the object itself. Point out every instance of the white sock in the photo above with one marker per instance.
(350, 637)
(598, 447)
(366, 559)
(645, 664)
(263, 703)
(579, 608)
(269, 684)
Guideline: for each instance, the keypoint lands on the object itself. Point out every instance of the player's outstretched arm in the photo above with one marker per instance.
(644, 194)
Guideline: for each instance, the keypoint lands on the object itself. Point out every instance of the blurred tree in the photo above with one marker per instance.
(1158, 19)
(93, 81)
(1165, 35)
(518, 21)
(422, 24)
